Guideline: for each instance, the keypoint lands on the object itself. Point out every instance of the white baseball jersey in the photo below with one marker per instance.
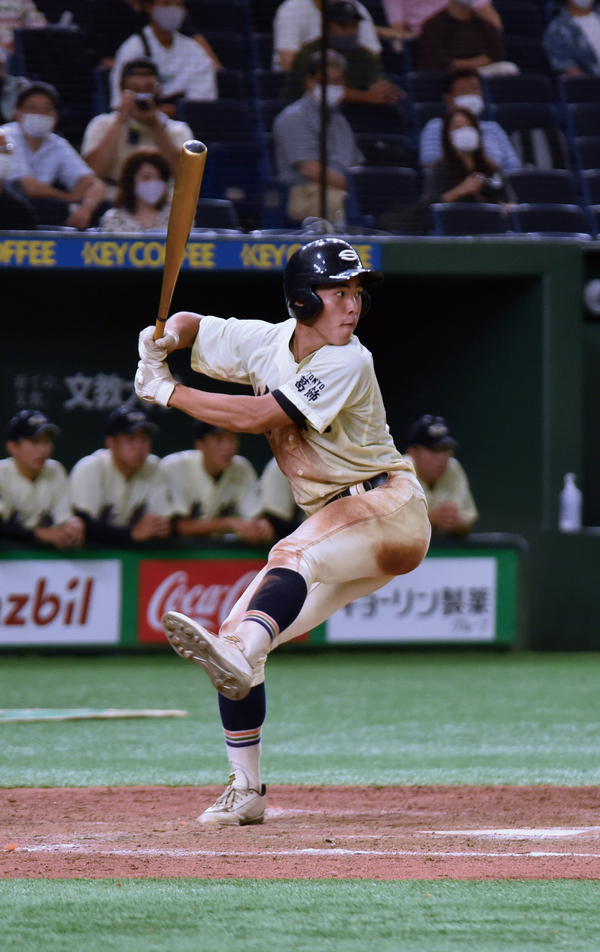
(197, 495)
(454, 487)
(43, 501)
(99, 489)
(339, 436)
(275, 496)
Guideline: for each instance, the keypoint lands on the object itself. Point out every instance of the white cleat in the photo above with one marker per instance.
(224, 663)
(237, 805)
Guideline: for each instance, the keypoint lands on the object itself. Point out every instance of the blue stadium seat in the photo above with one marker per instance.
(375, 119)
(528, 53)
(585, 117)
(577, 89)
(469, 218)
(591, 183)
(424, 111)
(557, 220)
(263, 49)
(520, 18)
(535, 134)
(522, 88)
(231, 84)
(268, 83)
(216, 213)
(268, 109)
(426, 87)
(390, 150)
(377, 189)
(233, 49)
(543, 185)
(587, 149)
(219, 15)
(224, 120)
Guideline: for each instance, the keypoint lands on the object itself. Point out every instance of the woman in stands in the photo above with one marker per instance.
(464, 173)
(143, 201)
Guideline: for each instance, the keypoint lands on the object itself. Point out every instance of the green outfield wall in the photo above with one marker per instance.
(490, 333)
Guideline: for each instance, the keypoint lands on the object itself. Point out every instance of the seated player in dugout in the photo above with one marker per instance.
(431, 448)
(120, 492)
(317, 400)
(214, 490)
(35, 503)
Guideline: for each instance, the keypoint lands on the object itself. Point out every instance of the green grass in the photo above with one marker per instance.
(345, 916)
(333, 718)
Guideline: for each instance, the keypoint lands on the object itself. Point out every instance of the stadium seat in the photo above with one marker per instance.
(231, 84)
(268, 109)
(591, 183)
(587, 149)
(585, 117)
(522, 88)
(233, 49)
(390, 150)
(528, 54)
(216, 213)
(594, 211)
(219, 15)
(426, 87)
(377, 189)
(374, 119)
(469, 218)
(557, 220)
(520, 18)
(543, 185)
(577, 89)
(268, 83)
(534, 132)
(224, 120)
(262, 44)
(424, 111)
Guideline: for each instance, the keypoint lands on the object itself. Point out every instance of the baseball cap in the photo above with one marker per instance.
(432, 432)
(128, 420)
(343, 12)
(202, 429)
(27, 424)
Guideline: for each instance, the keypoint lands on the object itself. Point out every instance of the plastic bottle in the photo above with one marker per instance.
(569, 518)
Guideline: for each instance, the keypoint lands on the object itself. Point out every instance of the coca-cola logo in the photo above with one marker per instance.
(45, 604)
(204, 603)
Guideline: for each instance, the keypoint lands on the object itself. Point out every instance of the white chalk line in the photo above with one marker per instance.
(523, 834)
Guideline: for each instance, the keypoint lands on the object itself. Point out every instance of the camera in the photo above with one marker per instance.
(143, 100)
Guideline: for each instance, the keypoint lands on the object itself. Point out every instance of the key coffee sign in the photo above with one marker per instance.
(203, 589)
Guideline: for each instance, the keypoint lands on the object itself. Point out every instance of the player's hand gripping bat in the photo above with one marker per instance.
(183, 209)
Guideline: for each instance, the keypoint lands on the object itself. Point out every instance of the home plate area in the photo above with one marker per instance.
(310, 832)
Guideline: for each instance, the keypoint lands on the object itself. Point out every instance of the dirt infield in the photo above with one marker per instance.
(386, 833)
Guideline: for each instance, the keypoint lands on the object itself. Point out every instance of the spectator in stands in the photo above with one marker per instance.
(120, 492)
(16, 213)
(572, 40)
(365, 82)
(185, 69)
(10, 86)
(35, 504)
(296, 131)
(464, 90)
(458, 37)
(142, 202)
(47, 166)
(407, 17)
(214, 490)
(464, 173)
(431, 447)
(137, 122)
(299, 21)
(276, 501)
(18, 15)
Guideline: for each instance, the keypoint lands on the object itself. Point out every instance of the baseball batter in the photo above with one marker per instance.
(319, 404)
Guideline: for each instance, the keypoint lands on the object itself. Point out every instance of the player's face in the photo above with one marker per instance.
(430, 464)
(219, 449)
(129, 450)
(30, 455)
(342, 304)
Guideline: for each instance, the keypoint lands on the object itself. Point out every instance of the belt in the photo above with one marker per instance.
(359, 488)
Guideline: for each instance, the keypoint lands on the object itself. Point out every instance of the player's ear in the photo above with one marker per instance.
(366, 302)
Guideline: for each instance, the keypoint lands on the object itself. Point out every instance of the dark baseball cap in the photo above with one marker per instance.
(128, 420)
(202, 429)
(432, 432)
(343, 12)
(27, 424)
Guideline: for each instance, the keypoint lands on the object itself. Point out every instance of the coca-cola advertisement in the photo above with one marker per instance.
(60, 602)
(205, 590)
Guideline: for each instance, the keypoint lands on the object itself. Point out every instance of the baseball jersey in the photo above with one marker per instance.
(198, 495)
(452, 487)
(43, 501)
(275, 495)
(339, 435)
(101, 491)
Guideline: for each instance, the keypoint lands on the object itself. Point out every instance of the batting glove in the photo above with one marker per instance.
(154, 383)
(150, 349)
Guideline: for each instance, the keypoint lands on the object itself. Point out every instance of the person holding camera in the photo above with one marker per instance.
(142, 202)
(138, 122)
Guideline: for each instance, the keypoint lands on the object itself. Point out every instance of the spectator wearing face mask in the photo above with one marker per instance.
(142, 201)
(464, 173)
(185, 68)
(44, 165)
(299, 21)
(16, 213)
(296, 131)
(464, 90)
(18, 15)
(458, 38)
(572, 40)
(365, 82)
(407, 17)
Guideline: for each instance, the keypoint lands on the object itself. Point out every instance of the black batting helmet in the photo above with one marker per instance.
(325, 261)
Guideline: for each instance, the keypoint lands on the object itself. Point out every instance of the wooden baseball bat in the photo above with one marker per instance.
(181, 218)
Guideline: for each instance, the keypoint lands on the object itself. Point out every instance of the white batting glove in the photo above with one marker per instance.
(150, 349)
(154, 383)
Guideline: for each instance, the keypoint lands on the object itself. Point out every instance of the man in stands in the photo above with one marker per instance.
(44, 165)
(138, 122)
(572, 40)
(185, 69)
(458, 37)
(408, 16)
(299, 21)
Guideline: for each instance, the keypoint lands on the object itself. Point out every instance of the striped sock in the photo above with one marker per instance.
(242, 724)
(261, 618)
(237, 739)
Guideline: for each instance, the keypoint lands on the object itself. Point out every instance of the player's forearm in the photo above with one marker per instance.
(201, 527)
(231, 412)
(185, 324)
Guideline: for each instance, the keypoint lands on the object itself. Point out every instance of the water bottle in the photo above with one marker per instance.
(569, 518)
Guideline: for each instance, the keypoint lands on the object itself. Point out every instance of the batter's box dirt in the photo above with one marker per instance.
(310, 832)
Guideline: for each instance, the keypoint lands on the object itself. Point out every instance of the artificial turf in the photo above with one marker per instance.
(333, 718)
(346, 916)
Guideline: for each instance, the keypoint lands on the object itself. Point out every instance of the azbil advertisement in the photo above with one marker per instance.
(205, 590)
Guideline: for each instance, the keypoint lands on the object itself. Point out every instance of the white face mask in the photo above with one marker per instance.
(5, 165)
(473, 102)
(170, 18)
(36, 125)
(584, 4)
(334, 95)
(465, 139)
(151, 191)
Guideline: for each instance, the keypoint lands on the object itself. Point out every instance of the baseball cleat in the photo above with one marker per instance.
(238, 805)
(223, 661)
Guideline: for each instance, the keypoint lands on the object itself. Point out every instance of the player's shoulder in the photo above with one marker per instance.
(242, 466)
(97, 460)
(180, 459)
(351, 358)
(53, 469)
(150, 466)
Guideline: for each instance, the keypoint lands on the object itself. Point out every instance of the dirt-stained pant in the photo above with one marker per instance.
(350, 548)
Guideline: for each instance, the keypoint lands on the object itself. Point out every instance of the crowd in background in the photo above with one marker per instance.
(156, 77)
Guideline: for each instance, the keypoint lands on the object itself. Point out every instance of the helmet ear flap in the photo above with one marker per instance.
(366, 302)
(306, 304)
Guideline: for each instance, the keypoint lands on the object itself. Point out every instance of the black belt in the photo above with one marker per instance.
(368, 484)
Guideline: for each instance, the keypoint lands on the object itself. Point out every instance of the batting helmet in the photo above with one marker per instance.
(325, 261)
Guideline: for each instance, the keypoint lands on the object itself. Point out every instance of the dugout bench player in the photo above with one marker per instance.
(318, 402)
